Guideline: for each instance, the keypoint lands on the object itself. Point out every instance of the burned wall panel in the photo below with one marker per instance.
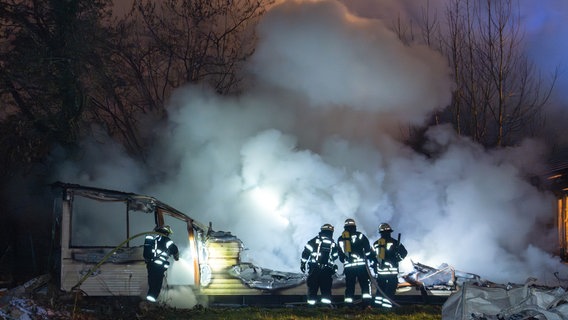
(108, 280)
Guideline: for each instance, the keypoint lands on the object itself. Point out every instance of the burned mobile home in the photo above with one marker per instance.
(101, 243)
(93, 222)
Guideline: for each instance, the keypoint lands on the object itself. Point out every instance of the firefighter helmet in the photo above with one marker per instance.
(385, 227)
(164, 229)
(349, 222)
(327, 227)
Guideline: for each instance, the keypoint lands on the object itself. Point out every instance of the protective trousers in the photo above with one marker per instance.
(352, 275)
(155, 279)
(319, 279)
(388, 284)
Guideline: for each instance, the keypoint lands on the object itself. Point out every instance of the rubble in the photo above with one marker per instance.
(444, 277)
(26, 308)
(511, 301)
(266, 279)
(18, 303)
(39, 299)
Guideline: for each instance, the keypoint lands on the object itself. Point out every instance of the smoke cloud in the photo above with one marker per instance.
(317, 139)
(543, 38)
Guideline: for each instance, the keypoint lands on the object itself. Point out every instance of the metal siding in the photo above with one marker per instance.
(108, 280)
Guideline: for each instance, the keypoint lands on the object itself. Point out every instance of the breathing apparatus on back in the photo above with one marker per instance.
(350, 228)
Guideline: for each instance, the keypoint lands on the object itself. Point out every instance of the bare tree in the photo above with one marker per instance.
(47, 50)
(498, 97)
(67, 65)
(163, 45)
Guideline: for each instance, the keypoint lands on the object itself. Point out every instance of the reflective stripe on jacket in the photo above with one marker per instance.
(360, 250)
(393, 253)
(157, 249)
(312, 253)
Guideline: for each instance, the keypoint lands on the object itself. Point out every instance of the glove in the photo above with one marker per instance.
(303, 267)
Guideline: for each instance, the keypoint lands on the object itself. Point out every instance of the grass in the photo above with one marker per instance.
(122, 308)
(410, 312)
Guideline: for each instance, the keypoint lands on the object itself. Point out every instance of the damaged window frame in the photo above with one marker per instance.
(103, 270)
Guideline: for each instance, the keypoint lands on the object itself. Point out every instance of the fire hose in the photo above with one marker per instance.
(376, 285)
(105, 258)
(108, 255)
(374, 280)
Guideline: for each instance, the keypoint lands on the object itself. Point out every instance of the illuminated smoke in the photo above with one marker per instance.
(543, 37)
(317, 140)
(177, 291)
(181, 297)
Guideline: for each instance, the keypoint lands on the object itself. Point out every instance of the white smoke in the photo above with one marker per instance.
(543, 38)
(181, 297)
(317, 140)
(318, 50)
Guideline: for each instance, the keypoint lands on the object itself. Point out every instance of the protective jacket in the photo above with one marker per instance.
(320, 252)
(389, 252)
(355, 251)
(158, 248)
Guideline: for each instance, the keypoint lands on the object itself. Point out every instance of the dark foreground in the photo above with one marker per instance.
(86, 308)
(413, 312)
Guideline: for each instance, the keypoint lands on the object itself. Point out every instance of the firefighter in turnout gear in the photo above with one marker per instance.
(157, 249)
(355, 253)
(320, 254)
(389, 253)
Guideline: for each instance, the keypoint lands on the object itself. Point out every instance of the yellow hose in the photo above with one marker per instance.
(86, 276)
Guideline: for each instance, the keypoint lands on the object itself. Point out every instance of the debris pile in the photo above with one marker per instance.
(510, 301)
(266, 279)
(444, 277)
(26, 308)
(18, 303)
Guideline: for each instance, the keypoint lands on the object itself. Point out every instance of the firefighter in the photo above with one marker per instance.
(320, 254)
(389, 252)
(355, 253)
(157, 250)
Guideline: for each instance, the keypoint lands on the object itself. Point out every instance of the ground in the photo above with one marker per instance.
(44, 305)
(40, 298)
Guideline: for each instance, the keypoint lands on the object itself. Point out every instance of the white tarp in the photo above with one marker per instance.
(510, 302)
